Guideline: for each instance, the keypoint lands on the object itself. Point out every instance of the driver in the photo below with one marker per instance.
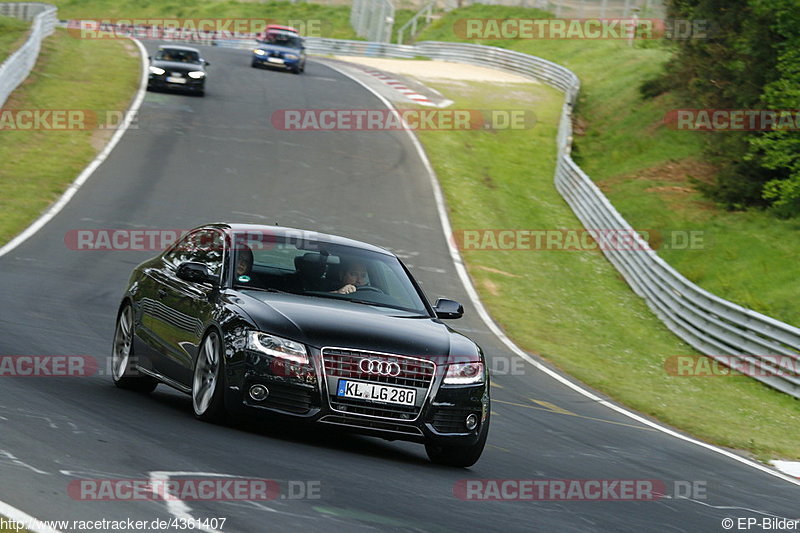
(244, 264)
(352, 275)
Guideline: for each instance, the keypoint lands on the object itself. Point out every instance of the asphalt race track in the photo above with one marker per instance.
(195, 160)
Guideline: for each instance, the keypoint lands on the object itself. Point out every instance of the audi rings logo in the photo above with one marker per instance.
(381, 368)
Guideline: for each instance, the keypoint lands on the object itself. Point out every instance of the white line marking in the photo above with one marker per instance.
(176, 507)
(13, 459)
(789, 467)
(89, 170)
(495, 329)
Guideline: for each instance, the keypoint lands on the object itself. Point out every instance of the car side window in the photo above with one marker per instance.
(203, 246)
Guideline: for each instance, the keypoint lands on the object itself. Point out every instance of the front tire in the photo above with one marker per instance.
(207, 380)
(458, 456)
(124, 374)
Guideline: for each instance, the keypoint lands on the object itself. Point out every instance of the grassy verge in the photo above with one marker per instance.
(646, 170)
(39, 164)
(12, 35)
(332, 21)
(571, 306)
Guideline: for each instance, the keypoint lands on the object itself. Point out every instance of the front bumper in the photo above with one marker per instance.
(276, 62)
(168, 82)
(299, 394)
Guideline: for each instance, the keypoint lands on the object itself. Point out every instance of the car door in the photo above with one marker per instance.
(182, 310)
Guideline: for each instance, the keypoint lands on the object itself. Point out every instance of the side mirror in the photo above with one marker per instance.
(445, 308)
(150, 58)
(195, 272)
(206, 63)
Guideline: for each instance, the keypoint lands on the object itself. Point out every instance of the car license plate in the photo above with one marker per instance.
(173, 79)
(277, 60)
(375, 392)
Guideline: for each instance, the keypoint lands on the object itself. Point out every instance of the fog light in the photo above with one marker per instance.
(259, 392)
(471, 421)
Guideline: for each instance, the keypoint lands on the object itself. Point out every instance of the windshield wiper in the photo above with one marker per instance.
(262, 289)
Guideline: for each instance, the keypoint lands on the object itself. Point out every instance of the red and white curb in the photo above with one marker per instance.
(788, 467)
(400, 87)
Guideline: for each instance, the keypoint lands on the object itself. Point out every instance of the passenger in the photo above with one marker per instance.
(353, 275)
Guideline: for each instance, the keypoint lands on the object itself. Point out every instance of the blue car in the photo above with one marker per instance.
(280, 49)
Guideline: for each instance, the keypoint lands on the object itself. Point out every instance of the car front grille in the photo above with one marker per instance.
(345, 363)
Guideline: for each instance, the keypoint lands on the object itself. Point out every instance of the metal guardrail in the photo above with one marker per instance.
(18, 65)
(341, 47)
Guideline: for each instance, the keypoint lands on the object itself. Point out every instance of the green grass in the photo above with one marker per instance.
(39, 165)
(645, 169)
(332, 21)
(573, 307)
(12, 35)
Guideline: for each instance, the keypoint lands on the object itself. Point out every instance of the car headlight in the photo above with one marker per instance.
(277, 347)
(465, 374)
(157, 71)
(291, 56)
(197, 74)
(259, 52)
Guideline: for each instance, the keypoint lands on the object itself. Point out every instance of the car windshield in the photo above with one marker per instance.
(283, 39)
(321, 269)
(179, 56)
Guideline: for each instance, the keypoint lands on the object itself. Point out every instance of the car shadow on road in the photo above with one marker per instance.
(295, 432)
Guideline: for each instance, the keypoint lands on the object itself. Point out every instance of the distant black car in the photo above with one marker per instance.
(178, 67)
(303, 326)
(281, 49)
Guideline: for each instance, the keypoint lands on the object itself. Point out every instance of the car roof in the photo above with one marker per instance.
(282, 231)
(284, 33)
(279, 27)
(178, 47)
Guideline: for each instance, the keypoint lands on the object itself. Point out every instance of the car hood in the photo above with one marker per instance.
(281, 49)
(177, 65)
(321, 322)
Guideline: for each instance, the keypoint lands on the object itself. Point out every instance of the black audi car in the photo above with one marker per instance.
(178, 67)
(272, 321)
